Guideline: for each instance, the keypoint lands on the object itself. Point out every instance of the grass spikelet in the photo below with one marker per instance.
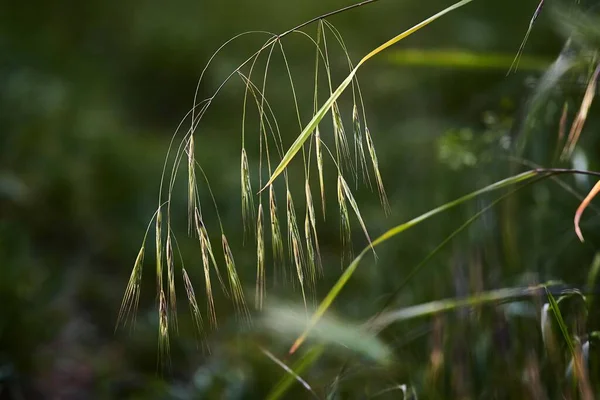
(191, 183)
(276, 238)
(310, 211)
(319, 153)
(373, 155)
(359, 150)
(207, 257)
(212, 314)
(235, 285)
(344, 221)
(131, 297)
(348, 194)
(191, 296)
(295, 243)
(163, 329)
(341, 142)
(310, 254)
(171, 279)
(260, 260)
(577, 126)
(247, 199)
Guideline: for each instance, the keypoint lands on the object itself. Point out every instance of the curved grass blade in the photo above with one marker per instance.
(582, 208)
(297, 368)
(310, 127)
(339, 285)
(577, 126)
(442, 306)
(536, 14)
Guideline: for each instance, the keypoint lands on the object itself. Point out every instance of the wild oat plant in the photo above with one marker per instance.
(349, 151)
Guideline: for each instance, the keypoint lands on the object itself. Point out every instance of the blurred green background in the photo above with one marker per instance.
(91, 93)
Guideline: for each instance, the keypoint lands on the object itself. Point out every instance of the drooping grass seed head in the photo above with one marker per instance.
(192, 301)
(276, 237)
(345, 230)
(171, 279)
(247, 195)
(131, 297)
(235, 285)
(319, 153)
(374, 161)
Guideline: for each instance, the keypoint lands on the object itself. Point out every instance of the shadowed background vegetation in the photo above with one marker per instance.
(91, 93)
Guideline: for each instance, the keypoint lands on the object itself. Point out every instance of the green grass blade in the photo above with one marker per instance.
(441, 306)
(339, 285)
(561, 322)
(298, 368)
(311, 126)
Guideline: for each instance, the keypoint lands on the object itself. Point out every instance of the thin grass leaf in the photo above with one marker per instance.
(581, 117)
(575, 351)
(260, 260)
(536, 14)
(339, 285)
(297, 368)
(446, 305)
(289, 371)
(171, 279)
(191, 296)
(561, 323)
(235, 285)
(345, 228)
(131, 297)
(374, 161)
(295, 244)
(310, 127)
(352, 201)
(276, 238)
(582, 208)
(247, 195)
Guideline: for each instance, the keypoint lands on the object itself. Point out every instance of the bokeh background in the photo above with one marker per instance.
(91, 93)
